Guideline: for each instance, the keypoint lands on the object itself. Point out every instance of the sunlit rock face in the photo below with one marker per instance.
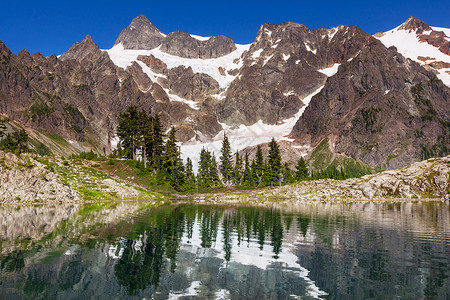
(23, 179)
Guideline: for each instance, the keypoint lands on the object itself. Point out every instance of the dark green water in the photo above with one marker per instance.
(360, 250)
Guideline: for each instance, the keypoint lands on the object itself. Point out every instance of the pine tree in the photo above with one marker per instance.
(189, 175)
(21, 138)
(226, 168)
(145, 136)
(259, 164)
(274, 164)
(287, 174)
(2, 128)
(237, 172)
(158, 142)
(301, 172)
(203, 176)
(128, 133)
(213, 171)
(248, 175)
(172, 163)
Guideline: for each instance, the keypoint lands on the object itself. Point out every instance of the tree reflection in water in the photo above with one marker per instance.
(158, 235)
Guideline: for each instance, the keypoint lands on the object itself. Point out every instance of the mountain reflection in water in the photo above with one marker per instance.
(310, 250)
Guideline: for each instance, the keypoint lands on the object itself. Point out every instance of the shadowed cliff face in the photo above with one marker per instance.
(380, 105)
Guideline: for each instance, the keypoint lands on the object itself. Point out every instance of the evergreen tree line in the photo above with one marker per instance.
(141, 135)
(15, 142)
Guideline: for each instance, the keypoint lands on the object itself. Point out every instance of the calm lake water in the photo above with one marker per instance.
(310, 250)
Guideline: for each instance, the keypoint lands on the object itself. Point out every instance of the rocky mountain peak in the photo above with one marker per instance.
(87, 40)
(80, 51)
(415, 24)
(140, 34)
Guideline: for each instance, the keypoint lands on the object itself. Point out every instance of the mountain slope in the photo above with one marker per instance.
(426, 45)
(373, 103)
(381, 108)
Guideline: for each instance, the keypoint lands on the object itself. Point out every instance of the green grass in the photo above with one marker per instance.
(321, 156)
(57, 139)
(88, 181)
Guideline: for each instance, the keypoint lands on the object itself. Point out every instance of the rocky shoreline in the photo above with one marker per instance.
(25, 180)
(428, 179)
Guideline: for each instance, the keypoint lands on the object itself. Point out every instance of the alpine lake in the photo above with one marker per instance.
(194, 250)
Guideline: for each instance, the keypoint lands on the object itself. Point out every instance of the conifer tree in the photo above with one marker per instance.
(158, 142)
(203, 176)
(248, 175)
(128, 133)
(2, 128)
(274, 164)
(259, 164)
(226, 168)
(213, 171)
(237, 172)
(287, 174)
(21, 138)
(301, 172)
(145, 136)
(172, 163)
(189, 175)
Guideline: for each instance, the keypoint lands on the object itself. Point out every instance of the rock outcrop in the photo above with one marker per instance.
(23, 179)
(182, 44)
(426, 179)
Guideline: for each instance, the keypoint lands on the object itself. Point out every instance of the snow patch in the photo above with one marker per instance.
(124, 58)
(286, 57)
(192, 104)
(268, 32)
(200, 38)
(332, 32)
(257, 53)
(267, 59)
(310, 49)
(191, 291)
(289, 93)
(330, 71)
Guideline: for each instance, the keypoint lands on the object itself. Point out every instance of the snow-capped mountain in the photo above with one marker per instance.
(291, 83)
(426, 45)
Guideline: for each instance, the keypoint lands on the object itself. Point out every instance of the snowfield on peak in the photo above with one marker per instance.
(123, 58)
(408, 44)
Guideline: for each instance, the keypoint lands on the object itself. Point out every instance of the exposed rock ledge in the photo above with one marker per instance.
(23, 179)
(426, 179)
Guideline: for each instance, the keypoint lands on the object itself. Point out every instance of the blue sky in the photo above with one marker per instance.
(53, 26)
